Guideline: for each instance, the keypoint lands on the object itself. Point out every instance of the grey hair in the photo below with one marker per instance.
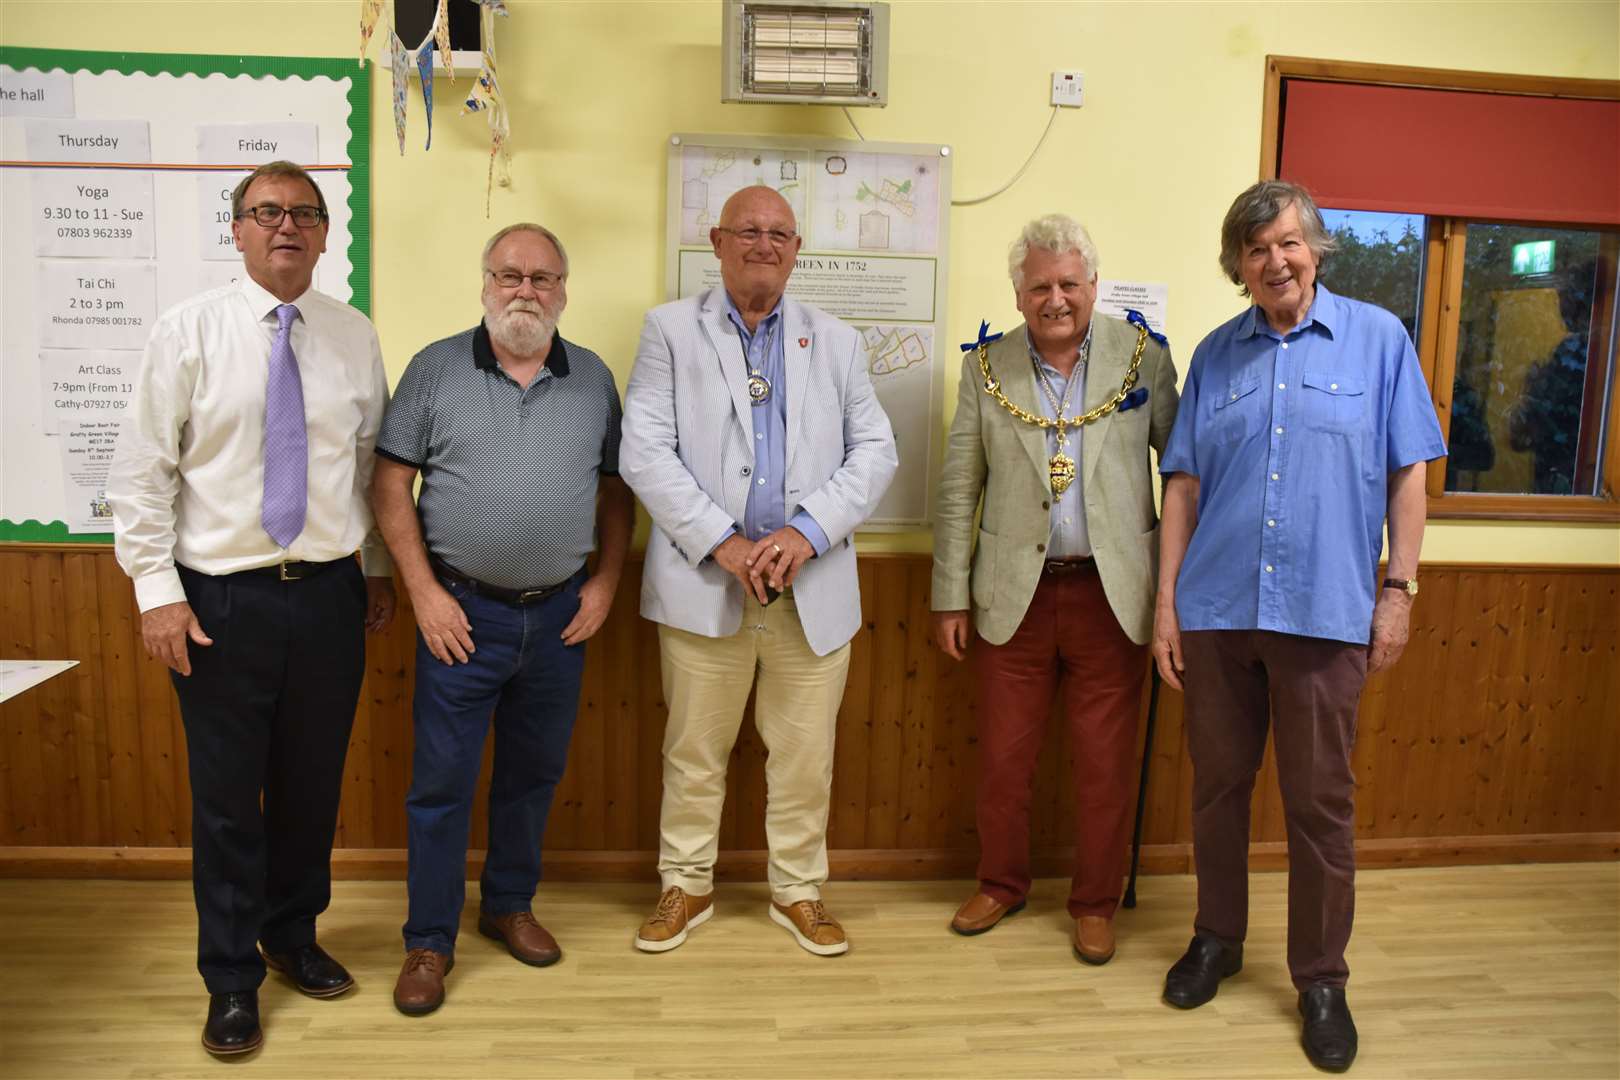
(1057, 233)
(525, 226)
(275, 168)
(1258, 207)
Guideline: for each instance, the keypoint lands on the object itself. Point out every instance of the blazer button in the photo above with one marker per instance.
(1045, 505)
(745, 470)
(1040, 547)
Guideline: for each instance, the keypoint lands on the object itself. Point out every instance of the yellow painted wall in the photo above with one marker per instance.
(1170, 133)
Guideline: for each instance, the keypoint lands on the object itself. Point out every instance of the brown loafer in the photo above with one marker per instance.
(420, 988)
(525, 939)
(981, 913)
(1094, 939)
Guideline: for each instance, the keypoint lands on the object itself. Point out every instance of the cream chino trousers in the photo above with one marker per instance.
(706, 684)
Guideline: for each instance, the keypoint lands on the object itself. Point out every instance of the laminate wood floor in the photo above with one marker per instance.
(1468, 972)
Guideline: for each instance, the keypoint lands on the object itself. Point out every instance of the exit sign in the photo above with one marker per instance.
(1535, 257)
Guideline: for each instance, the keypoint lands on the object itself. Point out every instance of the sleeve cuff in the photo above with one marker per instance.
(812, 532)
(159, 588)
(731, 530)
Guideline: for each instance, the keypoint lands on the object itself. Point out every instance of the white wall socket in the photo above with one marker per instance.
(1068, 88)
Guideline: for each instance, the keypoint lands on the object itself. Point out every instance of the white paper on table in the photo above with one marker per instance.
(88, 140)
(19, 675)
(87, 304)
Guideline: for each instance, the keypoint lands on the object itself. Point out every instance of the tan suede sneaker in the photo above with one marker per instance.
(420, 988)
(811, 926)
(675, 914)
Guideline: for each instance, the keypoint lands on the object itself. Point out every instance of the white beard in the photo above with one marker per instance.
(523, 329)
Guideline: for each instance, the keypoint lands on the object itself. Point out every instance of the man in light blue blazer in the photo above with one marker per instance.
(754, 439)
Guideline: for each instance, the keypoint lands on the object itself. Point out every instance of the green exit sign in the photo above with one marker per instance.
(1536, 257)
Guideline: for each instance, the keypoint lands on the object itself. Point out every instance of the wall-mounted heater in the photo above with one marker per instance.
(813, 52)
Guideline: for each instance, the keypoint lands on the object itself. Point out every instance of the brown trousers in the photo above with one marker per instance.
(1238, 683)
(1069, 635)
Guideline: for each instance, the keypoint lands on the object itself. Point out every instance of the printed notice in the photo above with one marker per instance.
(89, 140)
(96, 305)
(1151, 298)
(87, 441)
(30, 92)
(79, 381)
(93, 214)
(860, 289)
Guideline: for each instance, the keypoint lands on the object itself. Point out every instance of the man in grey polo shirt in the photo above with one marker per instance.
(516, 435)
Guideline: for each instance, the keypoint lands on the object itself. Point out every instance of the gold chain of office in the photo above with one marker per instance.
(1062, 466)
(993, 388)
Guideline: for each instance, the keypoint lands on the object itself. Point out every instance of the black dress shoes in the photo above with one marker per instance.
(1330, 1034)
(311, 970)
(233, 1023)
(1193, 980)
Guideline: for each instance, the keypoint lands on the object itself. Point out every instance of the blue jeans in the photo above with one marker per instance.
(525, 677)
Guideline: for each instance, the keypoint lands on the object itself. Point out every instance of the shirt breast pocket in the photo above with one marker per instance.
(1333, 403)
(1237, 413)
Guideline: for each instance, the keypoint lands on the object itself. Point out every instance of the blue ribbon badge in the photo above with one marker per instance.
(1136, 318)
(984, 327)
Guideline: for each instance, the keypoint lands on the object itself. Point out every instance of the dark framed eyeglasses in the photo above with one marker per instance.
(542, 280)
(269, 215)
(751, 236)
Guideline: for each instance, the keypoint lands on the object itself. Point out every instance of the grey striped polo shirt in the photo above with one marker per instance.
(508, 474)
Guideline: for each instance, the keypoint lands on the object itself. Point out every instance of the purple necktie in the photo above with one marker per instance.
(286, 447)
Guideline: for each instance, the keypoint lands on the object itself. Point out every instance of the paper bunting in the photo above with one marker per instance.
(401, 61)
(424, 68)
(369, 11)
(486, 97)
(441, 35)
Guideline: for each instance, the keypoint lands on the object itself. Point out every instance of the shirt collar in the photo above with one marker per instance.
(484, 353)
(1035, 354)
(736, 316)
(1324, 312)
(263, 303)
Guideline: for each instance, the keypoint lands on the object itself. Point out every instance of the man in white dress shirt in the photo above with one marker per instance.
(239, 498)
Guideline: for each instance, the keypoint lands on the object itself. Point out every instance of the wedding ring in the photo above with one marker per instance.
(778, 548)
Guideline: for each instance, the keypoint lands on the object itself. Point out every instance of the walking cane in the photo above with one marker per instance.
(1141, 789)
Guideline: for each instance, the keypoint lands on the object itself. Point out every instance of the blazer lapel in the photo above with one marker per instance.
(728, 348)
(1105, 372)
(798, 347)
(1011, 366)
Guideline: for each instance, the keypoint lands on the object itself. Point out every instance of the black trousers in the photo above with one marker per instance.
(267, 709)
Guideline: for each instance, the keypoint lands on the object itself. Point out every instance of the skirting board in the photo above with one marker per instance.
(388, 864)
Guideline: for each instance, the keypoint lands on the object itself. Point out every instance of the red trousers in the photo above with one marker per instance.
(1070, 636)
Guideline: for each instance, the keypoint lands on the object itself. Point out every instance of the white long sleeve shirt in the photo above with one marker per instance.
(187, 482)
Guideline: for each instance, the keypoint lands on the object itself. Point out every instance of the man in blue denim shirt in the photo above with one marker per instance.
(1304, 424)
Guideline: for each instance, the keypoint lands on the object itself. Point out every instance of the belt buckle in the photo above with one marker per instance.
(528, 595)
(284, 575)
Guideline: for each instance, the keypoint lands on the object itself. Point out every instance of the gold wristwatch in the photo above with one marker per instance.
(1406, 585)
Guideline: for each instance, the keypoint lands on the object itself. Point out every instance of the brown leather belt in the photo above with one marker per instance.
(496, 592)
(1079, 565)
(297, 569)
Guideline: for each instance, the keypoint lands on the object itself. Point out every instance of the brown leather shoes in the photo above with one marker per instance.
(420, 988)
(981, 913)
(675, 914)
(525, 939)
(1094, 939)
(816, 931)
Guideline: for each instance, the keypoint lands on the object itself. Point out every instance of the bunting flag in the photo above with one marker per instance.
(441, 35)
(424, 69)
(486, 97)
(369, 11)
(402, 82)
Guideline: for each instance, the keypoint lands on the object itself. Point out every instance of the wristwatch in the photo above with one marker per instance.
(1406, 585)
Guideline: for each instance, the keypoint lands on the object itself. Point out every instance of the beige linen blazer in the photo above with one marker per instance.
(992, 458)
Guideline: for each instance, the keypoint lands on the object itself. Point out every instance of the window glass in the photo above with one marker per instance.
(1524, 411)
(1379, 259)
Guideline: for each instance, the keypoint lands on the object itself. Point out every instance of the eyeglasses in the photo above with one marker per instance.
(269, 215)
(750, 236)
(542, 280)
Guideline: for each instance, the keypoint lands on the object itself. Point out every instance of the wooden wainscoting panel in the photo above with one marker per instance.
(1496, 725)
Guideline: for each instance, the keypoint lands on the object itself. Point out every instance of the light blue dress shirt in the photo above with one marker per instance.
(1069, 537)
(766, 511)
(1292, 438)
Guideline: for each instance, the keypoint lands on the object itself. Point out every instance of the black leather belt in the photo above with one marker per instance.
(496, 592)
(297, 569)
(1070, 566)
